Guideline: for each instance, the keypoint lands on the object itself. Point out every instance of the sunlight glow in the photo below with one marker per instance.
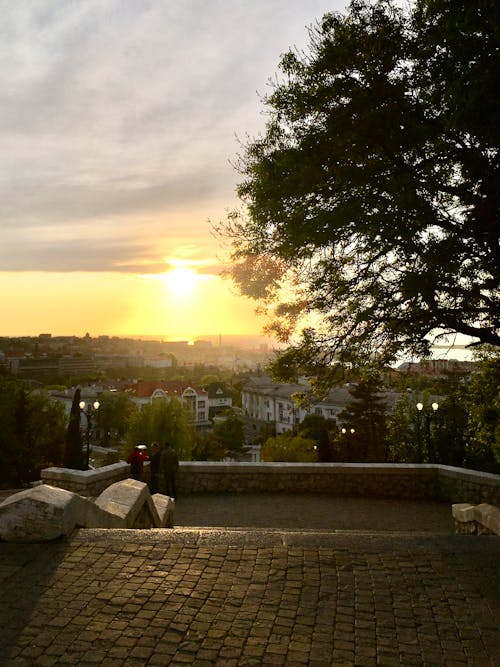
(181, 281)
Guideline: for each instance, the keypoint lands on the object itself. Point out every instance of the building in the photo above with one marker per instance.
(268, 402)
(196, 399)
(219, 398)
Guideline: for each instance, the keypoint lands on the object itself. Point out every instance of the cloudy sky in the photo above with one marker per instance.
(119, 120)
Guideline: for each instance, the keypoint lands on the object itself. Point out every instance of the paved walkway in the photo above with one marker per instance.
(252, 596)
(306, 511)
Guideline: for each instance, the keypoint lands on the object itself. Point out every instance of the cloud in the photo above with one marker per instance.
(118, 121)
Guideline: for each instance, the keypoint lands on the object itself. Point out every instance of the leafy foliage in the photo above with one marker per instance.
(229, 436)
(162, 421)
(317, 428)
(206, 448)
(370, 204)
(31, 433)
(289, 447)
(114, 411)
(483, 407)
(404, 437)
(227, 439)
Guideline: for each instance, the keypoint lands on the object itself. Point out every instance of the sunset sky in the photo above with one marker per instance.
(119, 120)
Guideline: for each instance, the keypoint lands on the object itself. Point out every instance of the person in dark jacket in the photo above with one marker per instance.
(168, 469)
(154, 468)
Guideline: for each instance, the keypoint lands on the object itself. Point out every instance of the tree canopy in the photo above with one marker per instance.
(369, 217)
(164, 420)
(31, 434)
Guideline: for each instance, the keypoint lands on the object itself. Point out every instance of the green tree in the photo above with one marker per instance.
(364, 420)
(449, 430)
(31, 434)
(483, 405)
(114, 411)
(289, 447)
(161, 421)
(43, 444)
(427, 435)
(317, 428)
(229, 436)
(370, 205)
(207, 448)
(73, 451)
(404, 435)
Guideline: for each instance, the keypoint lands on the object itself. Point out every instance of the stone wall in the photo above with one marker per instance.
(418, 482)
(460, 485)
(335, 478)
(86, 482)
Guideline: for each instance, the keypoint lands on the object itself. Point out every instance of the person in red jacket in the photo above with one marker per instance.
(136, 459)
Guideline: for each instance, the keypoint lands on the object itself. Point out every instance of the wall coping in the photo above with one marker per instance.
(441, 481)
(469, 475)
(318, 468)
(85, 476)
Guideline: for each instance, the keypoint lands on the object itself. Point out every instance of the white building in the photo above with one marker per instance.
(197, 401)
(270, 402)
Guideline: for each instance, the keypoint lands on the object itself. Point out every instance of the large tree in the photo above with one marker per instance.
(369, 214)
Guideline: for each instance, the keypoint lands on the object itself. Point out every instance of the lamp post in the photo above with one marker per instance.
(88, 409)
(427, 414)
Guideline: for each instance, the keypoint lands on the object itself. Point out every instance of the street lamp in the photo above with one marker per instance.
(427, 414)
(88, 409)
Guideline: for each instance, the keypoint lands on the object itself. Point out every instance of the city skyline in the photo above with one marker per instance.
(120, 123)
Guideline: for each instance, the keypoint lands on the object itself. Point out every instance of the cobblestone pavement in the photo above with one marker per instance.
(319, 511)
(255, 596)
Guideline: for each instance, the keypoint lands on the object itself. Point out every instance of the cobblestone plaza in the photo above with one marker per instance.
(252, 596)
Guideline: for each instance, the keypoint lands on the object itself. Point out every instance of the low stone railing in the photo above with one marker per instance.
(88, 483)
(418, 482)
(424, 481)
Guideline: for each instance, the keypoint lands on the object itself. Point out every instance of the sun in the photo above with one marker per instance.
(180, 281)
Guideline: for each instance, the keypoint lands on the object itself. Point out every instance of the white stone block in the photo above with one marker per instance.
(463, 512)
(45, 513)
(489, 517)
(165, 506)
(129, 501)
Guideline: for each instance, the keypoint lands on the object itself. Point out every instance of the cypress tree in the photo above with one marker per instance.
(364, 419)
(73, 452)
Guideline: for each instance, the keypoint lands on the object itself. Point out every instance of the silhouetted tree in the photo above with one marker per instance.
(317, 428)
(73, 451)
(31, 433)
(373, 192)
(364, 420)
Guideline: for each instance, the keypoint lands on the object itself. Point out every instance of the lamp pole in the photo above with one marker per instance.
(88, 409)
(427, 414)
